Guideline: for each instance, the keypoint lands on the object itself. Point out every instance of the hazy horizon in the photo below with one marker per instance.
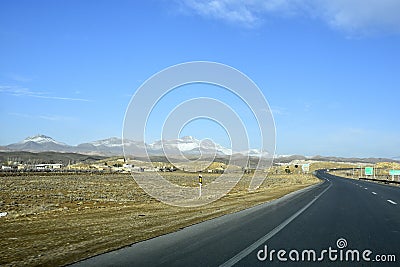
(328, 71)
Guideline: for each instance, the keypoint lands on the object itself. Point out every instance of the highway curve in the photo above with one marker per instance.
(358, 222)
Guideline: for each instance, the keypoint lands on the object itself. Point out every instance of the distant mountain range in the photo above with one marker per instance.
(187, 145)
(114, 146)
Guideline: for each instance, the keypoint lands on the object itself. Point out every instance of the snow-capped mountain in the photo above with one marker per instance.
(114, 146)
(255, 153)
(39, 143)
(41, 139)
(188, 145)
(110, 142)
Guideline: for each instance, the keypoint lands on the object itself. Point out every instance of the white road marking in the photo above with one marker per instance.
(235, 259)
(374, 193)
(365, 188)
(391, 201)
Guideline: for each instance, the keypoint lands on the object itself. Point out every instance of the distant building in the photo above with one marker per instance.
(6, 168)
(154, 169)
(219, 170)
(55, 166)
(21, 167)
(137, 169)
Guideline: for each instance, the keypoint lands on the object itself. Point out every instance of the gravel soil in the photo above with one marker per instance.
(57, 219)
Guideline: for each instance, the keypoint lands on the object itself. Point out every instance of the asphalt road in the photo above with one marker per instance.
(358, 222)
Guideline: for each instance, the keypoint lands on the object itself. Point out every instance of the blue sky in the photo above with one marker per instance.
(330, 71)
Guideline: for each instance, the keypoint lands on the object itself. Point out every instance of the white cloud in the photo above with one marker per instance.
(351, 16)
(43, 117)
(22, 91)
(230, 11)
(361, 16)
(18, 77)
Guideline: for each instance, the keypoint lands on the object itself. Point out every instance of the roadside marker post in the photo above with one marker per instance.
(374, 171)
(200, 184)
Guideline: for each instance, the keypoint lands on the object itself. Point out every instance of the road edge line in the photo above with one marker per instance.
(245, 252)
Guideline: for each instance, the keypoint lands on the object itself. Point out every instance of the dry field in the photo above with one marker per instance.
(54, 219)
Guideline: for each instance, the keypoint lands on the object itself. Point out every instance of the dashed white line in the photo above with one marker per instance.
(391, 201)
(374, 193)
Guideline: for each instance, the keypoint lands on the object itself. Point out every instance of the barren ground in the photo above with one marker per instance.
(55, 219)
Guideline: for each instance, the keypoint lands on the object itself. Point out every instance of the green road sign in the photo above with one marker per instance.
(369, 171)
(394, 172)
